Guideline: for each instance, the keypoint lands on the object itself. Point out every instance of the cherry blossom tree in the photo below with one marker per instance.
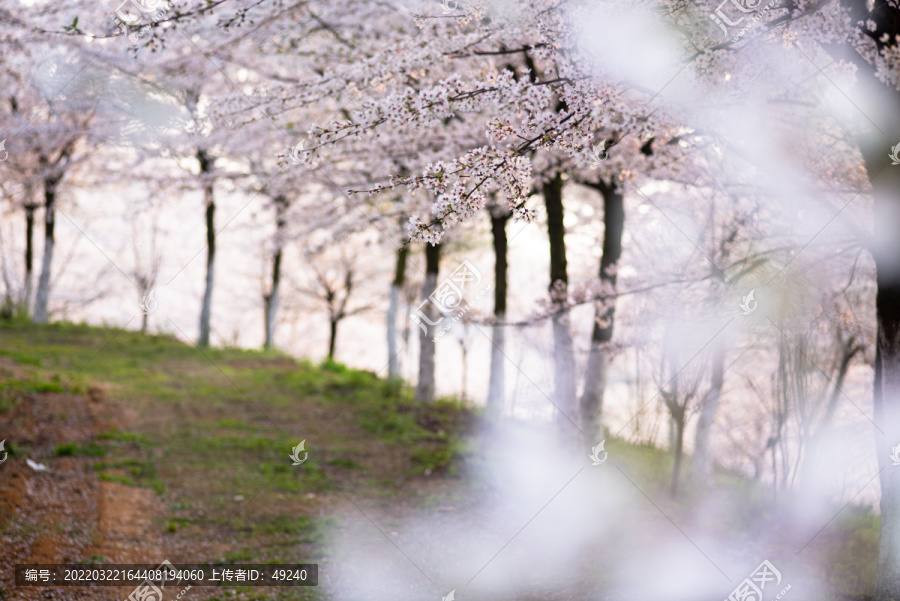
(444, 115)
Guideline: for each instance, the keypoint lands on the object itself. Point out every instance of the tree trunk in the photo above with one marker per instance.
(42, 298)
(465, 372)
(497, 382)
(678, 419)
(332, 337)
(595, 374)
(393, 307)
(882, 101)
(888, 309)
(563, 353)
(425, 385)
(676, 399)
(206, 165)
(270, 300)
(819, 434)
(702, 457)
(887, 303)
(29, 257)
(885, 181)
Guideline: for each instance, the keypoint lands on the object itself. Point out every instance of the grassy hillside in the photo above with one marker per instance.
(209, 433)
(155, 449)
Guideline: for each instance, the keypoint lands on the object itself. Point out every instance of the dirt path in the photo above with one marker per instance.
(64, 513)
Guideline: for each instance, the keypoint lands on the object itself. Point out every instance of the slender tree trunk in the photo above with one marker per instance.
(563, 352)
(393, 308)
(144, 317)
(878, 405)
(465, 372)
(595, 374)
(887, 384)
(678, 419)
(425, 385)
(29, 257)
(270, 300)
(782, 409)
(42, 298)
(497, 382)
(206, 165)
(702, 457)
(332, 337)
(676, 400)
(822, 431)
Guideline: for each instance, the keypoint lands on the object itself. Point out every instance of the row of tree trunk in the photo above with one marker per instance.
(40, 311)
(584, 416)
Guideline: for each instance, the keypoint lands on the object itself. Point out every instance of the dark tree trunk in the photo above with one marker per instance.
(332, 337)
(206, 166)
(42, 299)
(425, 385)
(393, 308)
(595, 374)
(888, 309)
(29, 257)
(873, 97)
(885, 181)
(563, 353)
(497, 382)
(270, 300)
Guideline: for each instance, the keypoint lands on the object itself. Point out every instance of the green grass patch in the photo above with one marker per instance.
(119, 478)
(242, 555)
(93, 559)
(282, 525)
(22, 358)
(131, 471)
(40, 383)
(8, 402)
(79, 449)
(135, 439)
(344, 463)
